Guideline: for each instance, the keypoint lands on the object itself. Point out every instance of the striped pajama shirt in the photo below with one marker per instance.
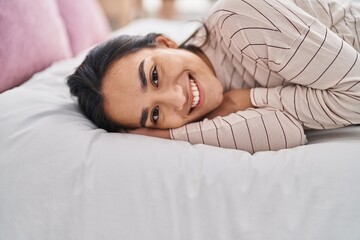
(300, 58)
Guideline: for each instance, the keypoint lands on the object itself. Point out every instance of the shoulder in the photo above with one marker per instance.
(266, 21)
(265, 12)
(244, 7)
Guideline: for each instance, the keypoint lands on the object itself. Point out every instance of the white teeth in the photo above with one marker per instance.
(196, 94)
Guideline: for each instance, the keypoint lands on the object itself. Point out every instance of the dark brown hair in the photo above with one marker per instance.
(86, 82)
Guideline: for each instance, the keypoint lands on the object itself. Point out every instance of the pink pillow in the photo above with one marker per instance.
(32, 36)
(85, 23)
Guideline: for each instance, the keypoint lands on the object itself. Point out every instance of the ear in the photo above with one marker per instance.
(163, 41)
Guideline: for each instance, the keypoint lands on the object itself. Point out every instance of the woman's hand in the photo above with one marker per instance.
(234, 100)
(152, 132)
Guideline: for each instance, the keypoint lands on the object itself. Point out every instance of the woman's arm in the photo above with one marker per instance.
(322, 87)
(251, 130)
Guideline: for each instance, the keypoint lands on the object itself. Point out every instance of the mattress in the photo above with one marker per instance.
(63, 178)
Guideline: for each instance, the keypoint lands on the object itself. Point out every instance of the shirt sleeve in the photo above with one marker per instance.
(321, 81)
(252, 130)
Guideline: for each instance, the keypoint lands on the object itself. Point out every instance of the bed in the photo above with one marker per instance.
(63, 178)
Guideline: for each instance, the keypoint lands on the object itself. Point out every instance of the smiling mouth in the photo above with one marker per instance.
(195, 93)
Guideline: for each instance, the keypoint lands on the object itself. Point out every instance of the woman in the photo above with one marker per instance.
(257, 75)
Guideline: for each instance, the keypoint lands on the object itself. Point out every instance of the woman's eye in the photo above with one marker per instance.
(155, 77)
(155, 114)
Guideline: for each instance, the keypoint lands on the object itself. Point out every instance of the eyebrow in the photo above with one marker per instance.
(142, 76)
(144, 116)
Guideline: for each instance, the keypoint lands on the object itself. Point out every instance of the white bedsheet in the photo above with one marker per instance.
(62, 178)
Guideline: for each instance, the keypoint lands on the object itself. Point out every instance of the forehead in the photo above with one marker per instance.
(123, 97)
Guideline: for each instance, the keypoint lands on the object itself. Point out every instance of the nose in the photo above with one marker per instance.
(173, 97)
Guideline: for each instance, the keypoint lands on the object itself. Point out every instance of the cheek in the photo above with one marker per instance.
(173, 120)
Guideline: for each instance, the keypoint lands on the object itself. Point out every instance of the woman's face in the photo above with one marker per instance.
(162, 87)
